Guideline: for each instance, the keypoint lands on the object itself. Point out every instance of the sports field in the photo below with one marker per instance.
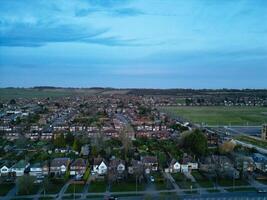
(220, 115)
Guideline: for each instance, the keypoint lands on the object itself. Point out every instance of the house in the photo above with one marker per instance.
(45, 168)
(150, 163)
(117, 167)
(174, 166)
(260, 162)
(184, 168)
(78, 167)
(244, 163)
(85, 150)
(20, 167)
(100, 166)
(188, 164)
(135, 167)
(36, 169)
(225, 167)
(208, 165)
(192, 165)
(5, 168)
(59, 166)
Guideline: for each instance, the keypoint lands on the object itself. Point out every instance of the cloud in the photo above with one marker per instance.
(122, 12)
(127, 12)
(28, 35)
(108, 3)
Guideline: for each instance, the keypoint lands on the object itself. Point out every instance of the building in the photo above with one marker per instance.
(264, 132)
(150, 163)
(78, 167)
(59, 166)
(20, 167)
(36, 170)
(100, 166)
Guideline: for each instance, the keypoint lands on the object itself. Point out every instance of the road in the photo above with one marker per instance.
(152, 193)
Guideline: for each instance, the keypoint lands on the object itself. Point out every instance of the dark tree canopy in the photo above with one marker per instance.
(196, 143)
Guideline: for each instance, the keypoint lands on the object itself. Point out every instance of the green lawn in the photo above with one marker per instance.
(4, 188)
(127, 186)
(230, 182)
(75, 188)
(97, 186)
(202, 181)
(183, 182)
(34, 190)
(160, 182)
(219, 115)
(53, 188)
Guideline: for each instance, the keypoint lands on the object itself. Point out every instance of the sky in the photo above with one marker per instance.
(134, 43)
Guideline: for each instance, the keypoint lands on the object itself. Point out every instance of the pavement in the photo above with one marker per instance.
(152, 193)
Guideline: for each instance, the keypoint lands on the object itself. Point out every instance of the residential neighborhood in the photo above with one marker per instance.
(97, 145)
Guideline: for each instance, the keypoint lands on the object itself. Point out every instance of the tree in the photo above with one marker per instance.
(94, 151)
(125, 140)
(12, 102)
(196, 143)
(60, 141)
(69, 139)
(162, 159)
(76, 145)
(25, 184)
(227, 147)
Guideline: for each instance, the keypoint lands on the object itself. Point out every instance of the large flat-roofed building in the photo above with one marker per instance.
(264, 132)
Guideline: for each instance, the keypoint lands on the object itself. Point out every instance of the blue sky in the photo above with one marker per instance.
(134, 43)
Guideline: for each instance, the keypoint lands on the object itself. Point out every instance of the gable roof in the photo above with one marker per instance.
(98, 161)
(20, 164)
(79, 162)
(57, 162)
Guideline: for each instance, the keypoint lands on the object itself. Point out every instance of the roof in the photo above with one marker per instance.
(149, 159)
(59, 162)
(79, 162)
(116, 162)
(36, 165)
(20, 164)
(97, 161)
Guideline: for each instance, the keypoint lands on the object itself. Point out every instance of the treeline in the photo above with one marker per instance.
(201, 92)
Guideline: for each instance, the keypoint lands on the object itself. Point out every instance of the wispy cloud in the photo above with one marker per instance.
(108, 3)
(40, 34)
(127, 12)
(121, 12)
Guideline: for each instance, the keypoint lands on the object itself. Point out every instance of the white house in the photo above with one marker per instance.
(36, 170)
(100, 166)
(193, 165)
(184, 168)
(175, 166)
(4, 170)
(20, 167)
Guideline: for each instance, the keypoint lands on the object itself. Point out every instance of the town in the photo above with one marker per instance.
(118, 145)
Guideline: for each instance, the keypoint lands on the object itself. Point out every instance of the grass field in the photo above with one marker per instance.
(220, 115)
(14, 93)
(250, 140)
(10, 93)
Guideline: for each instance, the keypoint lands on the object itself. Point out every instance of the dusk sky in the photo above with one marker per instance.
(134, 43)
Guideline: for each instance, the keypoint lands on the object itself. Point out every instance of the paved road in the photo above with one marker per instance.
(261, 150)
(153, 193)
